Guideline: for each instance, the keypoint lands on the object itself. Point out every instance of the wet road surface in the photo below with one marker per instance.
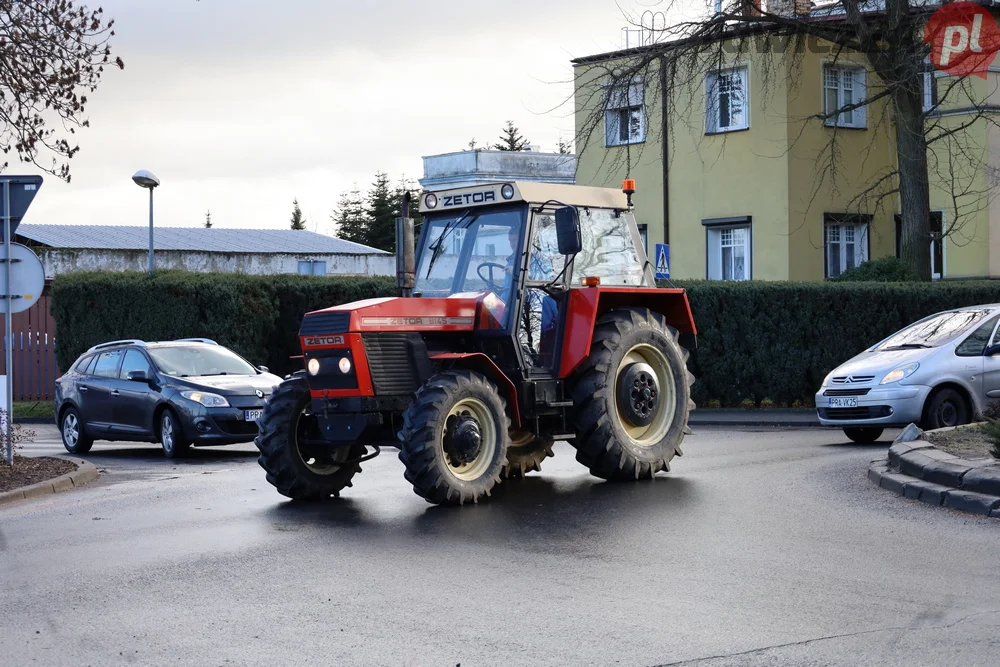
(762, 547)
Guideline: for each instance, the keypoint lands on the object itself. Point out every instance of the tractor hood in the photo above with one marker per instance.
(454, 313)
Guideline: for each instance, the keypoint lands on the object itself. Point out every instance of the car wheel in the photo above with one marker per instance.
(74, 437)
(863, 435)
(945, 408)
(171, 436)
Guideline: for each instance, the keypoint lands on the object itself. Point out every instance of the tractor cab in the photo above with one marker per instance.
(528, 315)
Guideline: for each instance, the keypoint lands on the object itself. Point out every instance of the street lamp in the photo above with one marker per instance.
(146, 179)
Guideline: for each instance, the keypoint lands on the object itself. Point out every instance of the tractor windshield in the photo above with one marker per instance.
(469, 251)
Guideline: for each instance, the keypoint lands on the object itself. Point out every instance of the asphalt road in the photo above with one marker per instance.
(762, 547)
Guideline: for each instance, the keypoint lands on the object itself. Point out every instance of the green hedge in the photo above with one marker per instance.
(256, 316)
(757, 341)
(776, 341)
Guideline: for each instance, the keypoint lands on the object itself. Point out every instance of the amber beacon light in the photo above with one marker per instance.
(628, 187)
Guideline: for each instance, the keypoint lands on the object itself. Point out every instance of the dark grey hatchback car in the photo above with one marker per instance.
(178, 393)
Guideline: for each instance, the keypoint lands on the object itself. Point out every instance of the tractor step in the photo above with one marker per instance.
(558, 404)
(562, 436)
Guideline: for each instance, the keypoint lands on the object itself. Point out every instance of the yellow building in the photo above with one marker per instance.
(757, 187)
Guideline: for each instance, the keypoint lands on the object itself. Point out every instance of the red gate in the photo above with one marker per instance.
(34, 350)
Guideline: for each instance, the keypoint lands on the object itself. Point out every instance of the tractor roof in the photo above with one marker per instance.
(526, 191)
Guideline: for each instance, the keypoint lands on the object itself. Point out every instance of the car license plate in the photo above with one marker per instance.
(843, 402)
(252, 415)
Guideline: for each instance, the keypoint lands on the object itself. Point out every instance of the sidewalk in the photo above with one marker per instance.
(763, 417)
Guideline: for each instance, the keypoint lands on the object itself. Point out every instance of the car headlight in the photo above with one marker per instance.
(207, 399)
(899, 373)
(826, 380)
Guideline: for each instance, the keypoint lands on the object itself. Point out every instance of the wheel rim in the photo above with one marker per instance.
(71, 430)
(948, 414)
(167, 433)
(653, 432)
(475, 408)
(326, 465)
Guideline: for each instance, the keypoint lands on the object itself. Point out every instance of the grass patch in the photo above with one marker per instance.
(32, 409)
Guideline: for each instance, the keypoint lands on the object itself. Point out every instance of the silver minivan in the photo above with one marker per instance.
(940, 371)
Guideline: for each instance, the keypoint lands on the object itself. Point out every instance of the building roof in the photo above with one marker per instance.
(197, 239)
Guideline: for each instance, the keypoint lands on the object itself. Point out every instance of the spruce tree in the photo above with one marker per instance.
(511, 139)
(298, 222)
(382, 210)
(349, 218)
(208, 220)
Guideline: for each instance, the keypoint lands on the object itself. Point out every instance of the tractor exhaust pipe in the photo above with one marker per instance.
(405, 263)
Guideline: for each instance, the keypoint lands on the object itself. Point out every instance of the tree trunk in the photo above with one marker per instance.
(914, 191)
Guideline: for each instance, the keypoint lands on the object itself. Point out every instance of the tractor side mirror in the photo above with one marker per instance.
(568, 230)
(137, 376)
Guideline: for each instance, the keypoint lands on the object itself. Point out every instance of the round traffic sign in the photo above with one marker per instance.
(27, 277)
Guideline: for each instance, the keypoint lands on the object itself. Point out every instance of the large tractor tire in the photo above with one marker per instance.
(632, 396)
(455, 438)
(294, 468)
(526, 453)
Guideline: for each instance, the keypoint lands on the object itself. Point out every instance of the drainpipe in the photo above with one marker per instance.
(664, 146)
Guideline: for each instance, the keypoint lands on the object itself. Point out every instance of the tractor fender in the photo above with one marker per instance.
(479, 362)
(585, 304)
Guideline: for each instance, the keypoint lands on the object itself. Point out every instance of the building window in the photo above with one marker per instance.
(937, 242)
(726, 106)
(929, 89)
(625, 116)
(729, 251)
(312, 267)
(846, 242)
(842, 87)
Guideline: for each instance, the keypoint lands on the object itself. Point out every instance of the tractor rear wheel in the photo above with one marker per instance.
(455, 438)
(288, 438)
(526, 453)
(632, 396)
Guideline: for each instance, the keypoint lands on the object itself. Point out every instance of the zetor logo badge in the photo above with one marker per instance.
(469, 198)
(964, 39)
(316, 341)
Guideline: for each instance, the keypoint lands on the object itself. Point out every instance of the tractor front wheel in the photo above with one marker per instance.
(455, 438)
(291, 450)
(632, 396)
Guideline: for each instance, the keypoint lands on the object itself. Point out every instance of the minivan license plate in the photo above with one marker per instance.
(252, 415)
(843, 402)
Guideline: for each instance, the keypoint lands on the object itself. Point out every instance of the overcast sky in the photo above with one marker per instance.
(238, 106)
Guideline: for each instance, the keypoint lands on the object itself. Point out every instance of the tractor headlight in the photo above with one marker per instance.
(899, 373)
(507, 191)
(313, 367)
(345, 365)
(207, 399)
(431, 201)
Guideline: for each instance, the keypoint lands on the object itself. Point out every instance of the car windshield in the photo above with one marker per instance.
(196, 360)
(470, 251)
(934, 330)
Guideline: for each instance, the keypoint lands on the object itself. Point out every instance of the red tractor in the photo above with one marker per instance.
(529, 315)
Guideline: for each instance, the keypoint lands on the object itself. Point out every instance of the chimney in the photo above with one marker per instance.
(789, 8)
(750, 7)
(803, 7)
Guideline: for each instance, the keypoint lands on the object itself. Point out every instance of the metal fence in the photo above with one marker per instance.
(34, 352)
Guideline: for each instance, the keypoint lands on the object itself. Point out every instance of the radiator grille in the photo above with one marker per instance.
(325, 323)
(391, 363)
(847, 392)
(867, 412)
(852, 379)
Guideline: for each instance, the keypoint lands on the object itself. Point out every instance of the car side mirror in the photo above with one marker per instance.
(263, 369)
(992, 350)
(137, 376)
(568, 230)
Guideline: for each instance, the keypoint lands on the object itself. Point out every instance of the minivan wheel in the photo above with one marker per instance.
(945, 408)
(171, 436)
(863, 435)
(74, 437)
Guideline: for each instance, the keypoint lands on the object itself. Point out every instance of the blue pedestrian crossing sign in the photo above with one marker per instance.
(662, 261)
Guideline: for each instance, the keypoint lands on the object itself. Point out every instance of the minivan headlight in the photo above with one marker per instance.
(207, 399)
(826, 380)
(899, 373)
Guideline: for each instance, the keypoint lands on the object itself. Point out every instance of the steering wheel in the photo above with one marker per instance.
(489, 281)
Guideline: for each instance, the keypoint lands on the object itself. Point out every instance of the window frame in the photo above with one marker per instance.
(121, 356)
(857, 220)
(121, 366)
(717, 226)
(616, 103)
(993, 320)
(712, 125)
(860, 86)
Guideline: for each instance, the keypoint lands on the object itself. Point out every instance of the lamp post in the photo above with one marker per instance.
(146, 179)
